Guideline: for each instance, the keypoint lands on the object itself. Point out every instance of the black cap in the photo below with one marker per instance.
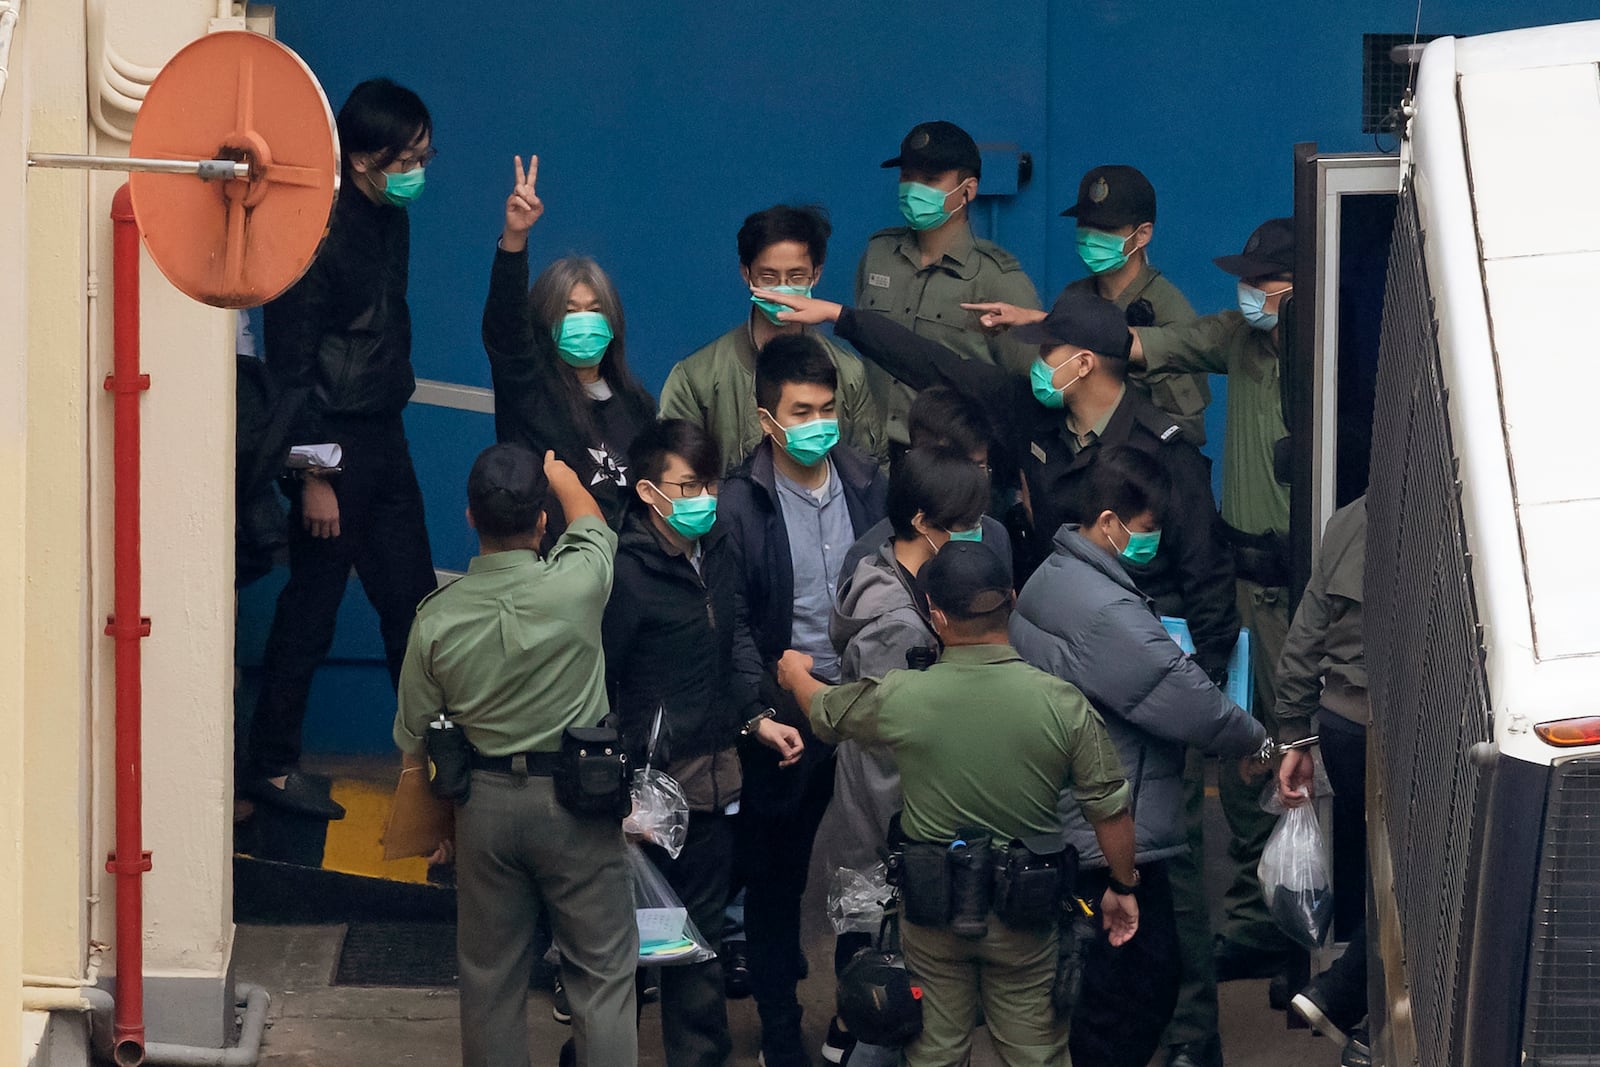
(506, 490)
(966, 578)
(1114, 196)
(1081, 318)
(1270, 250)
(935, 147)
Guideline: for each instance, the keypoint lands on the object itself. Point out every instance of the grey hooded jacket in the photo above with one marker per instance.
(875, 621)
(1081, 618)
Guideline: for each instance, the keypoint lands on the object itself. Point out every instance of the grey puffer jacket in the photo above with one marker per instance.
(875, 621)
(1081, 618)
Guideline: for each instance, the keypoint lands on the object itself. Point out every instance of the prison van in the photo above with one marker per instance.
(1483, 564)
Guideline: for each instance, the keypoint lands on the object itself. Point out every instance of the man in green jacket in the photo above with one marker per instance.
(781, 248)
(921, 274)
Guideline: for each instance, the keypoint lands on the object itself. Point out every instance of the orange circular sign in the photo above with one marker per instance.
(240, 96)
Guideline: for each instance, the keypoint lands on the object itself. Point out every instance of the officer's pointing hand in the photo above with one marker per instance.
(1120, 915)
(997, 315)
(806, 309)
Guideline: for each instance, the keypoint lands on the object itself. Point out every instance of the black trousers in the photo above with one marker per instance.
(1128, 992)
(383, 537)
(694, 1014)
(1344, 754)
(774, 857)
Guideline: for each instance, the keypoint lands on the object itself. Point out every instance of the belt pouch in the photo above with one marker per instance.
(925, 884)
(1028, 883)
(449, 760)
(971, 883)
(591, 776)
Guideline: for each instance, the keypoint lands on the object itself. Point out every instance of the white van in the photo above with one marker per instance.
(1483, 564)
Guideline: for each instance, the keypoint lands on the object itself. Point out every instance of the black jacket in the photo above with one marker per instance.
(753, 516)
(529, 406)
(338, 342)
(668, 635)
(1192, 575)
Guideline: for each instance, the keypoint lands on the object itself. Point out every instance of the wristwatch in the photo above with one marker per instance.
(749, 728)
(1123, 889)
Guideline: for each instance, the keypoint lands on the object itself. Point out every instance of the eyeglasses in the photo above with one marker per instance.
(694, 486)
(767, 279)
(421, 159)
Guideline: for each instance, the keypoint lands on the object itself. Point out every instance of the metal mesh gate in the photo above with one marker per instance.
(1423, 650)
(1562, 1024)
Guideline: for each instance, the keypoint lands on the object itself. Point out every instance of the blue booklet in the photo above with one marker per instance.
(1241, 683)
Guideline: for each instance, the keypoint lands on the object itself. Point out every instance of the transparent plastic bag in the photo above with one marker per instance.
(660, 812)
(1294, 876)
(856, 899)
(667, 936)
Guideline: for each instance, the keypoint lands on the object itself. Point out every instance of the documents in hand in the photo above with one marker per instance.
(418, 820)
(1240, 686)
(314, 457)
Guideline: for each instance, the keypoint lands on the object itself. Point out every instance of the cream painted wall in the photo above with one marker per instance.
(59, 629)
(13, 480)
(187, 349)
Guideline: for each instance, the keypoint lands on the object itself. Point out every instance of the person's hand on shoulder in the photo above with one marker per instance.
(803, 309)
(523, 206)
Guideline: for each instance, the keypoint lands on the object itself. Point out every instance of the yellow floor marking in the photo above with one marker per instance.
(354, 842)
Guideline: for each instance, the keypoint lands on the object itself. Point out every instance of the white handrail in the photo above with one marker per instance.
(8, 26)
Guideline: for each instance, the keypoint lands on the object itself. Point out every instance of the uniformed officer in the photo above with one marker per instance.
(1116, 213)
(921, 273)
(984, 740)
(511, 654)
(1244, 345)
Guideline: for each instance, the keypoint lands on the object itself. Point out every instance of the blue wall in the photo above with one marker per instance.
(660, 126)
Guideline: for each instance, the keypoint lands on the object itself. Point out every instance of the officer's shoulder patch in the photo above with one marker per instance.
(1170, 432)
(1160, 424)
(1038, 452)
(1002, 259)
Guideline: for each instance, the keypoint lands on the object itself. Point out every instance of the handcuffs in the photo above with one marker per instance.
(1271, 750)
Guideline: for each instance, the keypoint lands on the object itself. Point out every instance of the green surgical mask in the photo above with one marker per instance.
(770, 309)
(923, 205)
(974, 534)
(810, 442)
(692, 516)
(1141, 547)
(403, 188)
(582, 338)
(1101, 251)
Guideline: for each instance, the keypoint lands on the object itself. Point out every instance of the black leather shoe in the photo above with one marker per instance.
(1235, 962)
(299, 794)
(735, 970)
(1196, 1054)
(1319, 1005)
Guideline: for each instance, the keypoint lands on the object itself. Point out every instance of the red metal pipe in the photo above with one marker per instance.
(128, 860)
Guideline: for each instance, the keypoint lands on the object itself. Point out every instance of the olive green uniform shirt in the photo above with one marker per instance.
(1253, 500)
(715, 387)
(1183, 396)
(512, 648)
(927, 300)
(1324, 663)
(981, 739)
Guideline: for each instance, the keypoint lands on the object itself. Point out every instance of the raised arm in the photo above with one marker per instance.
(507, 318)
(1196, 346)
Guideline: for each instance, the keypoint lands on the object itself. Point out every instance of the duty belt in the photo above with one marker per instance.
(536, 764)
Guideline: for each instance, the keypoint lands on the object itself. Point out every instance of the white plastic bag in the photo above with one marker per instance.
(1294, 876)
(667, 936)
(856, 898)
(660, 812)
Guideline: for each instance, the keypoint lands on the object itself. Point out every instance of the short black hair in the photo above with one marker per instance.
(988, 622)
(674, 437)
(946, 486)
(506, 491)
(383, 118)
(806, 223)
(1126, 482)
(1115, 363)
(940, 416)
(792, 359)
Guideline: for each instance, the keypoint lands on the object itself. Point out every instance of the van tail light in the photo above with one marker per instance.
(1570, 733)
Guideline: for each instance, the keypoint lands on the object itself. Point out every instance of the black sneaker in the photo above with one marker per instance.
(735, 970)
(839, 1043)
(297, 794)
(560, 1009)
(1196, 1054)
(1357, 1049)
(1312, 1005)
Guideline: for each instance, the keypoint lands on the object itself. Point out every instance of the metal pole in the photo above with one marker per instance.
(208, 169)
